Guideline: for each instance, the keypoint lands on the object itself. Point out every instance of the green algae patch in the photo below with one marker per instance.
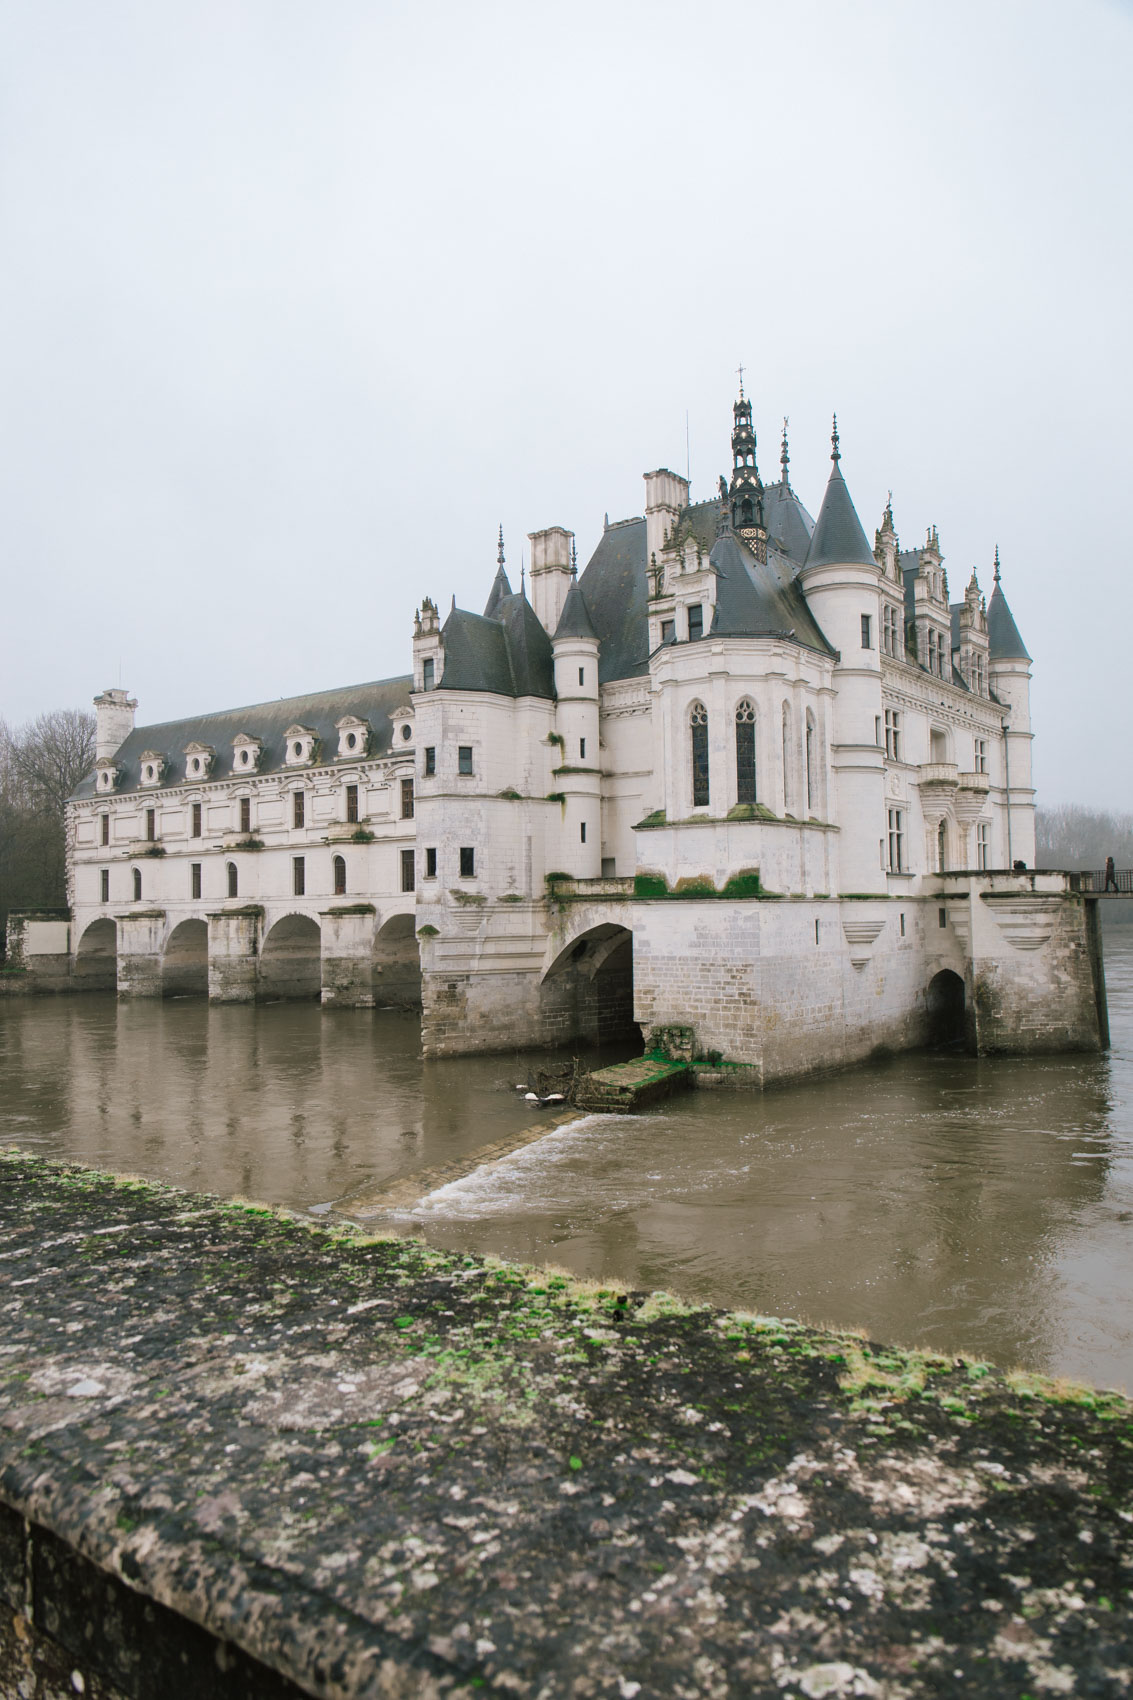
(386, 1469)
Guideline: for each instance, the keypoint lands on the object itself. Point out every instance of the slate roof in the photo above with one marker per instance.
(500, 591)
(508, 653)
(787, 521)
(575, 621)
(267, 721)
(617, 599)
(760, 599)
(1004, 642)
(838, 537)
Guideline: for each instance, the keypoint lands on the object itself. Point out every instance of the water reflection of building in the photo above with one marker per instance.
(744, 780)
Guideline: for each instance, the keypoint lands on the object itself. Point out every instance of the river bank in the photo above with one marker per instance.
(379, 1469)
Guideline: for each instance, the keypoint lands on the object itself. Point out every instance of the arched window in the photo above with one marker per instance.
(745, 753)
(786, 757)
(233, 882)
(339, 875)
(811, 775)
(137, 885)
(698, 728)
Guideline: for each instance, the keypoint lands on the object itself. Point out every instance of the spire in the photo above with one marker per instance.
(784, 455)
(501, 588)
(740, 370)
(575, 621)
(838, 538)
(573, 559)
(747, 486)
(1004, 642)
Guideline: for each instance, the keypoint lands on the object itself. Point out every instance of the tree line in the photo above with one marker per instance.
(40, 765)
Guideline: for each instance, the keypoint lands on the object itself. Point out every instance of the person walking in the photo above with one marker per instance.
(1110, 874)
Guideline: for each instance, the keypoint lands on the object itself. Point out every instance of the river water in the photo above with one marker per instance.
(983, 1205)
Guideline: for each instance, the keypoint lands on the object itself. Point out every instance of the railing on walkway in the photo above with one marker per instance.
(1120, 883)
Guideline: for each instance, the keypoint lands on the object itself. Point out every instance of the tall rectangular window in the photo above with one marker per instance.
(151, 824)
(582, 832)
(427, 674)
(668, 630)
(890, 641)
(464, 758)
(430, 761)
(696, 621)
(431, 862)
(582, 749)
(104, 885)
(698, 741)
(298, 808)
(195, 825)
(407, 799)
(981, 755)
(298, 875)
(983, 844)
(104, 829)
(245, 814)
(467, 862)
(352, 803)
(867, 631)
(408, 872)
(893, 733)
(582, 675)
(896, 841)
(745, 753)
(194, 879)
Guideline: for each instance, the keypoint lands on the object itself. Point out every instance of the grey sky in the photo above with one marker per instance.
(299, 301)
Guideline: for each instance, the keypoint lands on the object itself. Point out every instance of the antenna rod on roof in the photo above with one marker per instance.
(688, 459)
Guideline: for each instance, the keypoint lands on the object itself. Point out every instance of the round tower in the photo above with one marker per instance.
(576, 772)
(841, 582)
(1009, 672)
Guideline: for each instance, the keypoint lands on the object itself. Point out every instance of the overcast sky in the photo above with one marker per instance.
(299, 301)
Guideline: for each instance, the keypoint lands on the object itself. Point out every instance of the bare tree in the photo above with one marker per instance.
(40, 766)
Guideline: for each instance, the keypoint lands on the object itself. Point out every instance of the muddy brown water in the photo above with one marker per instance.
(983, 1205)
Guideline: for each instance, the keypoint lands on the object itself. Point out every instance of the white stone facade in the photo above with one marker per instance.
(748, 772)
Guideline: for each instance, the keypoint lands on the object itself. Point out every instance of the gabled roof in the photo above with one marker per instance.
(267, 723)
(1004, 642)
(575, 621)
(838, 538)
(509, 654)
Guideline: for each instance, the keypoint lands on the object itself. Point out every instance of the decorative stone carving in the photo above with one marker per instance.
(860, 934)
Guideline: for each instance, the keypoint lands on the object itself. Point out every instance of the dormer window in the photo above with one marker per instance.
(246, 752)
(107, 772)
(353, 737)
(302, 746)
(198, 760)
(403, 725)
(151, 766)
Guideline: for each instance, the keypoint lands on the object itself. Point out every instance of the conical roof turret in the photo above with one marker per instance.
(1003, 640)
(838, 538)
(575, 621)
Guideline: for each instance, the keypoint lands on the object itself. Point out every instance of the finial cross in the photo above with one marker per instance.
(740, 370)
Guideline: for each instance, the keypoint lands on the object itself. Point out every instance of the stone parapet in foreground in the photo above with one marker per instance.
(242, 1456)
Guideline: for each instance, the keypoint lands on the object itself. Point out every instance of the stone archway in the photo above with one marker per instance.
(185, 961)
(587, 992)
(946, 1009)
(291, 959)
(396, 964)
(96, 959)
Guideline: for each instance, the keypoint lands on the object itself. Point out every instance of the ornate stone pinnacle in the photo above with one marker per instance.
(835, 451)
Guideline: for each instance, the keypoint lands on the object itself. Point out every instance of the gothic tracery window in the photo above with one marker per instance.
(745, 753)
(698, 729)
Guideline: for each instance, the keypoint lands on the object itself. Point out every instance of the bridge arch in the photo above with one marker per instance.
(946, 1009)
(291, 963)
(185, 961)
(587, 986)
(96, 958)
(396, 963)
